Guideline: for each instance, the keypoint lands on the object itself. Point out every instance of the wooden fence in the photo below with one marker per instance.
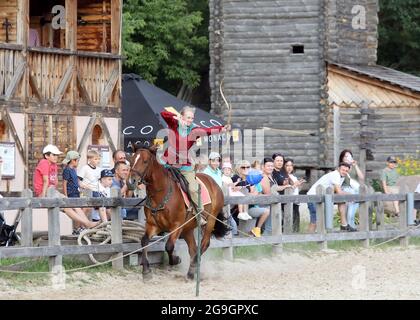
(324, 202)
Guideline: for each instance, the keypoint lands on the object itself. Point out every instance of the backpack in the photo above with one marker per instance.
(7, 234)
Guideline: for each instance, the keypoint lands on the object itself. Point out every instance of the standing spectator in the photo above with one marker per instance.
(333, 179)
(389, 177)
(278, 174)
(46, 175)
(120, 182)
(90, 173)
(350, 185)
(104, 191)
(416, 207)
(119, 156)
(213, 169)
(296, 183)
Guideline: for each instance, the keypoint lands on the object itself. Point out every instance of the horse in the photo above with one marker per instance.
(166, 211)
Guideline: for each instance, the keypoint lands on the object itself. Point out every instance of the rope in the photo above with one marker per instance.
(131, 231)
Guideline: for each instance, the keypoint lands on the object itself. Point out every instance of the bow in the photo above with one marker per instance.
(228, 107)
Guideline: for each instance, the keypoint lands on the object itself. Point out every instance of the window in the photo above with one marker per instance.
(97, 135)
(298, 49)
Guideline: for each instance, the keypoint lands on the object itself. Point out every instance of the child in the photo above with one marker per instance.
(104, 191)
(70, 180)
(90, 173)
(233, 190)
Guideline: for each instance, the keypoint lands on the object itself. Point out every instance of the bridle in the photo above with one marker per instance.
(145, 172)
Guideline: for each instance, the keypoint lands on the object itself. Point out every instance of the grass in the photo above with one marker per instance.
(40, 265)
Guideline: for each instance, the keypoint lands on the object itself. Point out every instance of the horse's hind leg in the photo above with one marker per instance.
(170, 246)
(192, 249)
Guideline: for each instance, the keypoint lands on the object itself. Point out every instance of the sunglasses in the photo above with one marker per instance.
(245, 167)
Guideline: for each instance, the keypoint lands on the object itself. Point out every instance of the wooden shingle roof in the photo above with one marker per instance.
(384, 74)
(375, 85)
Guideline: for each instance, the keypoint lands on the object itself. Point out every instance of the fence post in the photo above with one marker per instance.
(116, 230)
(276, 217)
(410, 208)
(54, 231)
(227, 251)
(329, 208)
(404, 240)
(380, 215)
(288, 213)
(320, 218)
(27, 232)
(364, 215)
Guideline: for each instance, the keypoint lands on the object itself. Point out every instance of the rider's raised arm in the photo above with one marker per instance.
(200, 131)
(170, 119)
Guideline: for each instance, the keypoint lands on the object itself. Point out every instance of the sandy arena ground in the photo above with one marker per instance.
(369, 274)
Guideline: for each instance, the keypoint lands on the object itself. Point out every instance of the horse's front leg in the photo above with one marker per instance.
(150, 232)
(170, 246)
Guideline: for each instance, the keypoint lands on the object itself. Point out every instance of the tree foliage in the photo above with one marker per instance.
(164, 42)
(399, 35)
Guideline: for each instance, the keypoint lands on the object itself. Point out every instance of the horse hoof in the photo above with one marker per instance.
(175, 261)
(190, 275)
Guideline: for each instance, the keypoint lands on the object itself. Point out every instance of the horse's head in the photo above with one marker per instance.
(142, 163)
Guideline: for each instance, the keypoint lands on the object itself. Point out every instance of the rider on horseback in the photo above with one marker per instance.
(183, 136)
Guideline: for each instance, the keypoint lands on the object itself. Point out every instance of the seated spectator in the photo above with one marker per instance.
(278, 161)
(334, 180)
(256, 165)
(233, 191)
(213, 169)
(90, 173)
(389, 177)
(201, 163)
(46, 175)
(350, 185)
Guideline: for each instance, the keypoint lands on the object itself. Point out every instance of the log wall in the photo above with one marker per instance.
(266, 84)
(395, 131)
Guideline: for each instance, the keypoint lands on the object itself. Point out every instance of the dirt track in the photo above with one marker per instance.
(371, 274)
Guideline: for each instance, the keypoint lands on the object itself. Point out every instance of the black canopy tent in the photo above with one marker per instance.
(142, 103)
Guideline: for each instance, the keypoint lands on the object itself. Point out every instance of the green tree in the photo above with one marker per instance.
(399, 35)
(163, 42)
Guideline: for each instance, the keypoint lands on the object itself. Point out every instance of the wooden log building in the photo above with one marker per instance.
(60, 79)
(305, 71)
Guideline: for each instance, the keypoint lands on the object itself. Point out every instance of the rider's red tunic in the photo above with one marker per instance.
(178, 145)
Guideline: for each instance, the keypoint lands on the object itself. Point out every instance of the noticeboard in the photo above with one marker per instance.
(105, 153)
(8, 160)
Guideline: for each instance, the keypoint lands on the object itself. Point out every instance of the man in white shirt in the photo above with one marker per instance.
(334, 180)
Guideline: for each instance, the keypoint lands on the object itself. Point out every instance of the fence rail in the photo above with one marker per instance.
(281, 233)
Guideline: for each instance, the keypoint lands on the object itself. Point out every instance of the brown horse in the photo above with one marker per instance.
(165, 209)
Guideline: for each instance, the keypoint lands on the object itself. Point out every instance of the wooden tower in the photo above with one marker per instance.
(60, 80)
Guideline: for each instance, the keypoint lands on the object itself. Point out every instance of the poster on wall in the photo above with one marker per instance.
(7, 160)
(105, 153)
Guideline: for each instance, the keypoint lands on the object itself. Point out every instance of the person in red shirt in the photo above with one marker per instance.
(46, 175)
(184, 133)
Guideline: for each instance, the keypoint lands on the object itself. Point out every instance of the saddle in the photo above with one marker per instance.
(184, 187)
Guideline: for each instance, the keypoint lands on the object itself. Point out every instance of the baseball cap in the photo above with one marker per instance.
(106, 173)
(227, 165)
(71, 155)
(214, 155)
(51, 148)
(391, 159)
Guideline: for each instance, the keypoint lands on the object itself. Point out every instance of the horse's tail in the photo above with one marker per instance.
(221, 227)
